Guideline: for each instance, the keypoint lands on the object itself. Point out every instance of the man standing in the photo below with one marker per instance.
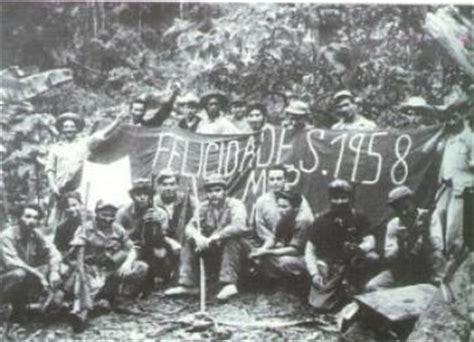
(138, 108)
(146, 223)
(66, 158)
(409, 255)
(238, 109)
(257, 117)
(216, 235)
(456, 174)
(283, 257)
(298, 116)
(339, 251)
(189, 106)
(29, 265)
(267, 213)
(215, 122)
(348, 113)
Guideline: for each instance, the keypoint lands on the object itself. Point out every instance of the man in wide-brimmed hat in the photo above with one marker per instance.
(214, 121)
(298, 115)
(66, 158)
(419, 111)
(222, 223)
(347, 110)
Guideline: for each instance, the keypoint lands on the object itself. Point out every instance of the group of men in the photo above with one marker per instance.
(214, 113)
(95, 261)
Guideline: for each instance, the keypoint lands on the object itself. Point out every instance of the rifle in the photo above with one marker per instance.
(82, 297)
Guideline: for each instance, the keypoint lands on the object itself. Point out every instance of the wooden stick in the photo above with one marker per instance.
(202, 269)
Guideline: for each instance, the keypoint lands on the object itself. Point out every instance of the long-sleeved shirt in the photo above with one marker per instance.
(99, 245)
(399, 238)
(132, 221)
(290, 233)
(267, 216)
(229, 220)
(178, 214)
(219, 125)
(330, 232)
(458, 158)
(66, 159)
(360, 123)
(17, 251)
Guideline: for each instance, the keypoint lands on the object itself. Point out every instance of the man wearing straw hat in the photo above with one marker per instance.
(66, 158)
(214, 235)
(215, 121)
(298, 116)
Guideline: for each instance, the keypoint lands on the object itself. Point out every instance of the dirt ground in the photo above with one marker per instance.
(254, 315)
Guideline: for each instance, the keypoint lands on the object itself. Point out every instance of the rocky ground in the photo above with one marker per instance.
(254, 315)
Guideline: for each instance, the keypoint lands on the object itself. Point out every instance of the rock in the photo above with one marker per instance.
(448, 321)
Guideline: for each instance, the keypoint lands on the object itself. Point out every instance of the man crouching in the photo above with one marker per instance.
(340, 250)
(222, 221)
(29, 265)
(106, 264)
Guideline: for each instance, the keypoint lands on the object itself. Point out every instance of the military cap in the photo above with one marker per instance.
(297, 108)
(141, 184)
(215, 180)
(77, 119)
(398, 193)
(167, 173)
(101, 205)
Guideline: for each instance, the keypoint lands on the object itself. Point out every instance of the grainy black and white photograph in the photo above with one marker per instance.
(236, 171)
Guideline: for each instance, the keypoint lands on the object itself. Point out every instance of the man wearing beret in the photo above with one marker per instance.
(348, 113)
(146, 224)
(216, 235)
(410, 257)
(340, 252)
(66, 158)
(283, 257)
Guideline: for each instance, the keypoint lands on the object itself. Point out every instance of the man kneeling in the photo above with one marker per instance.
(283, 257)
(222, 221)
(106, 263)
